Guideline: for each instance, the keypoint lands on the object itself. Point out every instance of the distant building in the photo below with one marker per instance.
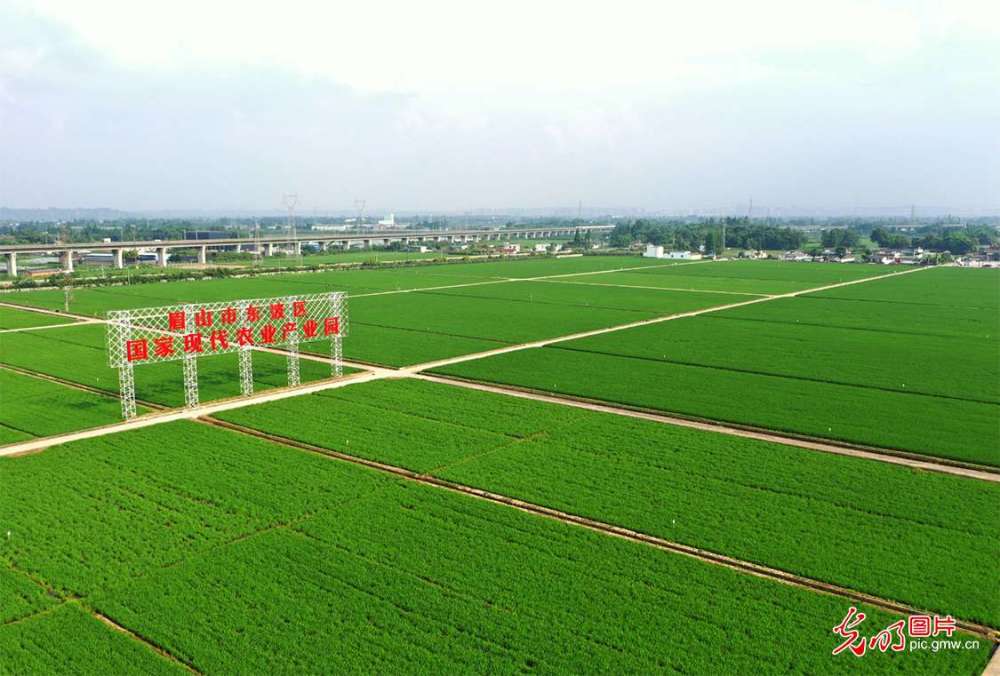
(683, 255)
(388, 222)
(653, 251)
(796, 256)
(99, 258)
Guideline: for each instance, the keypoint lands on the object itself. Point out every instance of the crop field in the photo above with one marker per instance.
(948, 287)
(404, 524)
(42, 408)
(444, 322)
(12, 318)
(679, 484)
(954, 367)
(348, 257)
(269, 556)
(858, 370)
(69, 640)
(97, 301)
(754, 277)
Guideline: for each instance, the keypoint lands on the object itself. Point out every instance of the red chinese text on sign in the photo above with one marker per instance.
(176, 321)
(218, 340)
(192, 343)
(267, 333)
(203, 318)
(136, 350)
(163, 346)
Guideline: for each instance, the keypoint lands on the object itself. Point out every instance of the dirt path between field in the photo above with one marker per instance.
(654, 288)
(913, 461)
(162, 652)
(703, 555)
(643, 322)
(174, 414)
(53, 326)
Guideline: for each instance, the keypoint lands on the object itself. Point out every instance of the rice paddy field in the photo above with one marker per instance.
(598, 464)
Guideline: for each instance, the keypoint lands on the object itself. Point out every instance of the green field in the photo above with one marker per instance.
(755, 501)
(12, 318)
(865, 369)
(948, 428)
(32, 407)
(77, 353)
(954, 367)
(235, 554)
(333, 258)
(68, 640)
(96, 301)
(442, 323)
(949, 287)
(755, 277)
(899, 320)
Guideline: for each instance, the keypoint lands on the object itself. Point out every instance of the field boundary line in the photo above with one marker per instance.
(819, 444)
(704, 555)
(653, 288)
(75, 385)
(92, 320)
(174, 414)
(773, 374)
(416, 368)
(138, 638)
(508, 280)
(46, 311)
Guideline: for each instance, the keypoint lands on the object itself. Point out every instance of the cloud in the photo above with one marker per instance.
(446, 105)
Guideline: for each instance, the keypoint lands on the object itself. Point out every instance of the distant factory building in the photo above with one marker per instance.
(654, 251)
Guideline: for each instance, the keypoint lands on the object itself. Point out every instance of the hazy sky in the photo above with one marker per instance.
(460, 105)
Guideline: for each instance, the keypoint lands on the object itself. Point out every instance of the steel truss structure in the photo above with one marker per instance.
(185, 332)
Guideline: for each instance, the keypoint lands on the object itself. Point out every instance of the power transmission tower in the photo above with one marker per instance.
(360, 206)
(290, 200)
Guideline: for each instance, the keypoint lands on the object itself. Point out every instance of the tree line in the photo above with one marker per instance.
(740, 233)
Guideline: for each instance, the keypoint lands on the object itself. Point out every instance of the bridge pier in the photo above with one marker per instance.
(297, 248)
(269, 249)
(203, 254)
(12, 264)
(67, 260)
(119, 258)
(161, 256)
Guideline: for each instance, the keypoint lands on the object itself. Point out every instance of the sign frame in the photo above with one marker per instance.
(185, 331)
